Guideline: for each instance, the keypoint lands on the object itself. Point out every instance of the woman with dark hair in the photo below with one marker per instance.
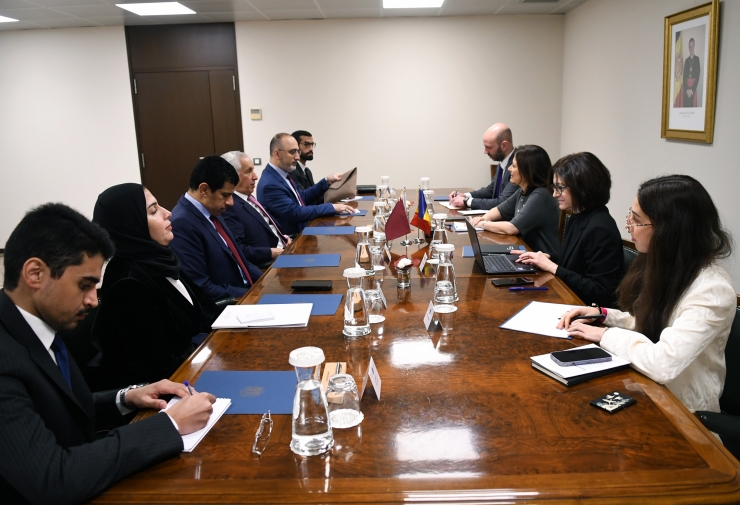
(149, 311)
(530, 212)
(590, 260)
(679, 302)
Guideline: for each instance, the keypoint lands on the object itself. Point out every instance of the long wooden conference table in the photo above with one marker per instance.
(463, 417)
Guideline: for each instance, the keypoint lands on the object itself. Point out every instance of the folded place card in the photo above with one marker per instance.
(323, 305)
(307, 260)
(329, 230)
(251, 392)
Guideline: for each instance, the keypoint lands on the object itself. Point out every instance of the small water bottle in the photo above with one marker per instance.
(379, 226)
(424, 183)
(356, 322)
(440, 234)
(363, 258)
(312, 433)
(445, 288)
(429, 199)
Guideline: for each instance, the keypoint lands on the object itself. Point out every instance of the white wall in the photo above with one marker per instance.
(612, 92)
(405, 97)
(66, 119)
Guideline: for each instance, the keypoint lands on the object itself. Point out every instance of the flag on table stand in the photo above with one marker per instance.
(422, 219)
(398, 222)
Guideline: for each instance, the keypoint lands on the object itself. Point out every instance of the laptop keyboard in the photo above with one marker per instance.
(498, 263)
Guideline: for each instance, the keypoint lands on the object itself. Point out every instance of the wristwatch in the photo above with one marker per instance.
(122, 395)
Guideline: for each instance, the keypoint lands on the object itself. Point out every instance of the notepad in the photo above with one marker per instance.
(322, 305)
(357, 212)
(293, 315)
(570, 375)
(191, 440)
(449, 206)
(307, 260)
(252, 392)
(329, 230)
(539, 318)
(472, 212)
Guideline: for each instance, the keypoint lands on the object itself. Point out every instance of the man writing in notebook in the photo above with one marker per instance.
(499, 146)
(279, 194)
(53, 260)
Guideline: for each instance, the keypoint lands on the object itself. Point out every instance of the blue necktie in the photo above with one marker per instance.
(60, 353)
(499, 178)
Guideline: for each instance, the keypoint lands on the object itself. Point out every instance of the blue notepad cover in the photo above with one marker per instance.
(358, 214)
(468, 251)
(251, 392)
(307, 260)
(329, 230)
(442, 198)
(323, 305)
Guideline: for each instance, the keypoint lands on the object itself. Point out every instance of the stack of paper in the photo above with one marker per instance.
(539, 318)
(570, 375)
(284, 315)
(190, 440)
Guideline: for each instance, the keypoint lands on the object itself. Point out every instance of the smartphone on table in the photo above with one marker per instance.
(512, 281)
(580, 356)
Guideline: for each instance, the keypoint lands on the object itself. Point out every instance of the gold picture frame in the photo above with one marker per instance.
(690, 73)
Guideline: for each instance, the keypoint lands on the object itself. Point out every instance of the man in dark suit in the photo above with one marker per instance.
(53, 260)
(208, 252)
(302, 175)
(691, 76)
(498, 145)
(278, 193)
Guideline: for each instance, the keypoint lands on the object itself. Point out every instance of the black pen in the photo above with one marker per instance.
(536, 288)
(187, 385)
(594, 316)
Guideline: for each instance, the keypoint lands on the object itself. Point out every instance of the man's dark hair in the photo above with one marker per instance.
(276, 142)
(534, 167)
(300, 133)
(214, 171)
(692, 40)
(59, 236)
(587, 179)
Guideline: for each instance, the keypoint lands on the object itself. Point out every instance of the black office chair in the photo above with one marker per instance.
(727, 424)
(630, 253)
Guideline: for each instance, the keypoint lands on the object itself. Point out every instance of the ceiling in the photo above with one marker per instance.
(74, 13)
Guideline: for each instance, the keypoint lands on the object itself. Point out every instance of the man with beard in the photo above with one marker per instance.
(497, 144)
(278, 193)
(48, 417)
(302, 175)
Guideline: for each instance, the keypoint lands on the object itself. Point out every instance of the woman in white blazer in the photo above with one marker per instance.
(679, 303)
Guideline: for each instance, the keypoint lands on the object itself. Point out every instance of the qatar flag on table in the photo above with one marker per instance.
(397, 224)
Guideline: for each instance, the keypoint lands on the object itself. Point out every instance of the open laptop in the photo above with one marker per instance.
(496, 260)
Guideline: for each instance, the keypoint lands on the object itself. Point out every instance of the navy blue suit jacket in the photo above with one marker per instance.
(204, 256)
(253, 235)
(277, 198)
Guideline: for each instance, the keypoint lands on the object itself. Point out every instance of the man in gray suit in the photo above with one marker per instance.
(498, 145)
(53, 260)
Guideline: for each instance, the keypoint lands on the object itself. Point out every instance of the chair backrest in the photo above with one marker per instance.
(730, 400)
(563, 223)
(630, 253)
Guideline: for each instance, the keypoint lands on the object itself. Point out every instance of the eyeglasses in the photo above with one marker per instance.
(260, 438)
(308, 144)
(631, 223)
(558, 188)
(291, 152)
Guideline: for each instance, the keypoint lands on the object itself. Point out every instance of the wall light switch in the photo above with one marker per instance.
(255, 114)
(257, 161)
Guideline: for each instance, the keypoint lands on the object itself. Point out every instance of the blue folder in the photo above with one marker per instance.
(442, 198)
(329, 230)
(468, 251)
(307, 260)
(323, 305)
(251, 392)
(360, 213)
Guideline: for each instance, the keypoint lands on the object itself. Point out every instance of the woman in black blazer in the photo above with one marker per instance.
(591, 259)
(149, 312)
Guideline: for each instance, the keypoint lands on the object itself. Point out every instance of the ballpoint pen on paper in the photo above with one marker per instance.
(187, 385)
(453, 196)
(524, 288)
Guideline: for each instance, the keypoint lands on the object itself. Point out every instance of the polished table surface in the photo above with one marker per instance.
(463, 417)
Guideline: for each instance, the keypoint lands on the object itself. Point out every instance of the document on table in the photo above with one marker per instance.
(353, 199)
(293, 315)
(472, 212)
(190, 440)
(539, 318)
(463, 228)
(449, 205)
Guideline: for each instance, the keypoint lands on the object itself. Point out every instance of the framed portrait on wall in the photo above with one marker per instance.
(690, 73)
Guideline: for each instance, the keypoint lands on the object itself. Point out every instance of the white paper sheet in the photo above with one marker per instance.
(353, 199)
(285, 315)
(539, 318)
(567, 372)
(190, 440)
(472, 212)
(449, 205)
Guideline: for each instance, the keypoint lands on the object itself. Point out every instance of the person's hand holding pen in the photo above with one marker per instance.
(457, 200)
(578, 323)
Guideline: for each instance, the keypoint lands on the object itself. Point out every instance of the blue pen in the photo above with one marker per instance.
(187, 385)
(523, 288)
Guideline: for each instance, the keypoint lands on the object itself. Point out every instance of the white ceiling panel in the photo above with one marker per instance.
(352, 13)
(118, 21)
(67, 23)
(283, 5)
(204, 7)
(61, 3)
(32, 14)
(394, 13)
(21, 25)
(228, 17)
(95, 11)
(349, 4)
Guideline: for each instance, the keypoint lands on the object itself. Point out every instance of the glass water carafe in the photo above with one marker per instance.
(363, 259)
(440, 234)
(356, 323)
(312, 433)
(379, 226)
(445, 288)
